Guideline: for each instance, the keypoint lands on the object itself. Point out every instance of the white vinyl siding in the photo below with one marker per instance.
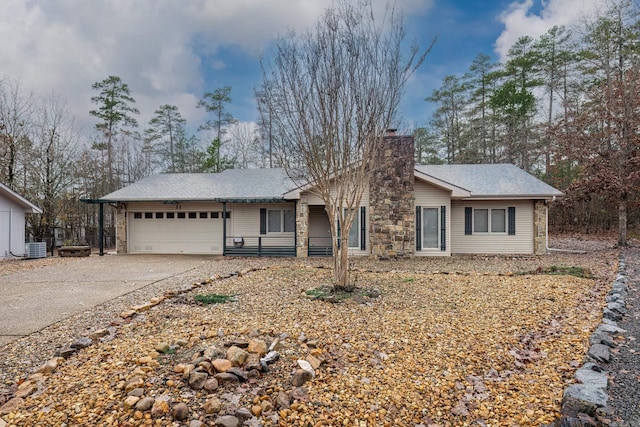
(12, 223)
(492, 243)
(429, 196)
(313, 199)
(246, 224)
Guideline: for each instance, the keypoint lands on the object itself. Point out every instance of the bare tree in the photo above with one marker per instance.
(331, 93)
(51, 161)
(242, 138)
(16, 109)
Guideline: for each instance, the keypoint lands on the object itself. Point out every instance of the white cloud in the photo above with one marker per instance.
(520, 21)
(155, 46)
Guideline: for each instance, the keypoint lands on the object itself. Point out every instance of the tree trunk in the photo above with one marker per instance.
(622, 221)
(341, 266)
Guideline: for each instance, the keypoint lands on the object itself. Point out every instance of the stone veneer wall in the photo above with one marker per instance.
(391, 199)
(121, 228)
(302, 228)
(539, 227)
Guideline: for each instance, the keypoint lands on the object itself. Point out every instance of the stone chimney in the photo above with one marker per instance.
(391, 198)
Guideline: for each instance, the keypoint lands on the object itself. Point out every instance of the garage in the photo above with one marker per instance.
(176, 232)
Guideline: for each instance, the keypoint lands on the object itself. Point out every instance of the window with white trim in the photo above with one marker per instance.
(281, 221)
(354, 232)
(489, 220)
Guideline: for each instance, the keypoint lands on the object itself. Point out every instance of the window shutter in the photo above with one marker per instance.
(263, 221)
(418, 228)
(468, 221)
(443, 228)
(512, 221)
(363, 228)
(339, 232)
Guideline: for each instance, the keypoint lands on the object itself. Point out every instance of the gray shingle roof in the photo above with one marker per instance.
(491, 180)
(495, 180)
(231, 184)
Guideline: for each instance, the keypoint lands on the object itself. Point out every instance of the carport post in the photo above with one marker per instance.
(224, 228)
(101, 228)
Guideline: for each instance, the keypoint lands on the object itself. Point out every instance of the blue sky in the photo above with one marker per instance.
(172, 51)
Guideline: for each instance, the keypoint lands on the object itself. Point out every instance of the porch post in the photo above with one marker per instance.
(302, 228)
(121, 228)
(224, 228)
(101, 227)
(540, 227)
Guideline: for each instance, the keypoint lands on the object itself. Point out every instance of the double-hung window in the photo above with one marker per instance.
(281, 220)
(491, 221)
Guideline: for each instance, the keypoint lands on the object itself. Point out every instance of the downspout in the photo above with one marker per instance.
(571, 251)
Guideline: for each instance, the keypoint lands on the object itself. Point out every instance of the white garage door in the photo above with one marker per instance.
(177, 232)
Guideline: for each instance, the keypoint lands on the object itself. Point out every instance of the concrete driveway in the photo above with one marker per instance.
(31, 300)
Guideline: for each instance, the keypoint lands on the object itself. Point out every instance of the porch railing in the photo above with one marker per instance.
(264, 245)
(319, 246)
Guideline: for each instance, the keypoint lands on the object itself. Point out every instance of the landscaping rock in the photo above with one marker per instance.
(253, 362)
(180, 411)
(300, 377)
(66, 352)
(213, 352)
(211, 384)
(313, 361)
(227, 421)
(236, 355)
(610, 329)
(226, 377)
(601, 338)
(599, 352)
(163, 347)
(130, 402)
(303, 364)
(257, 346)
(197, 380)
(242, 375)
(212, 406)
(50, 366)
(145, 403)
(160, 408)
(582, 398)
(11, 405)
(243, 414)
(196, 423)
(222, 365)
(138, 392)
(588, 376)
(610, 314)
(83, 342)
(133, 383)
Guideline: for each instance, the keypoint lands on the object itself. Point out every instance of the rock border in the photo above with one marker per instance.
(585, 402)
(34, 383)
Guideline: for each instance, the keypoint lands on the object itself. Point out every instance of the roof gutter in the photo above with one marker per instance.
(174, 201)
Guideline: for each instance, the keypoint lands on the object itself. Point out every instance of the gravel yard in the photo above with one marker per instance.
(450, 342)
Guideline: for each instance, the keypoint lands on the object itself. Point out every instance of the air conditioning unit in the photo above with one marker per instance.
(37, 250)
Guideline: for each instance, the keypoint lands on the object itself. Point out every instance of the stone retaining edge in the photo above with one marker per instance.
(585, 402)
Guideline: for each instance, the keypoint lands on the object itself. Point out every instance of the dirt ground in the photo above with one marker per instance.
(460, 341)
